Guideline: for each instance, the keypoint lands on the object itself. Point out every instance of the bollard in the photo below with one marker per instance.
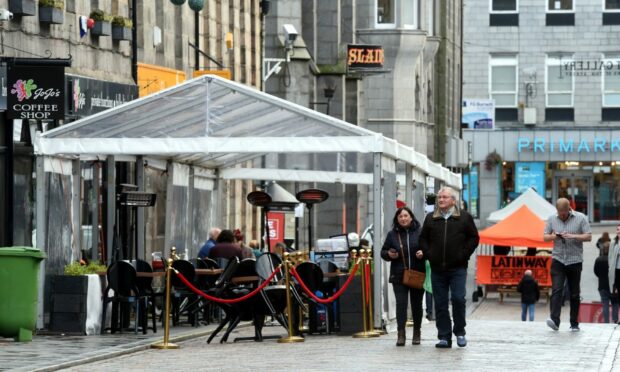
(166, 344)
(287, 275)
(365, 333)
(370, 319)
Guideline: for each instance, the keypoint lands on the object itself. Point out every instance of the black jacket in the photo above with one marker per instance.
(601, 270)
(409, 238)
(448, 244)
(530, 294)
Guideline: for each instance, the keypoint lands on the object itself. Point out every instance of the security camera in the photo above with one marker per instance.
(5, 15)
(290, 33)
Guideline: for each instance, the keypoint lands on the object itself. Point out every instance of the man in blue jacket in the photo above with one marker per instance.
(448, 238)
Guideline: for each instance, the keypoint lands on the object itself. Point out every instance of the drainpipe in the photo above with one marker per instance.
(134, 42)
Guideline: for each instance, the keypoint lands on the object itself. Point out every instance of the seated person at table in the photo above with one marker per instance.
(247, 252)
(255, 248)
(205, 249)
(225, 247)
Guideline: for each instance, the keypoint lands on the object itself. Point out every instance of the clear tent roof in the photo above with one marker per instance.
(214, 122)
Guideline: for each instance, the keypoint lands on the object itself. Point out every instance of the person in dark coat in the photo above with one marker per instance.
(601, 270)
(447, 240)
(530, 294)
(225, 247)
(400, 247)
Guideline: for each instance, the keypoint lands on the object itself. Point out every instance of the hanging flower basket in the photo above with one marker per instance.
(196, 5)
(492, 159)
(22, 7)
(177, 2)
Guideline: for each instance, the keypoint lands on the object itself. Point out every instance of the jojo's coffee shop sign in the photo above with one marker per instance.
(36, 92)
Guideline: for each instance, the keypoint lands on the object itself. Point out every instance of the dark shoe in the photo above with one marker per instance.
(444, 344)
(574, 328)
(416, 337)
(552, 324)
(401, 338)
(461, 341)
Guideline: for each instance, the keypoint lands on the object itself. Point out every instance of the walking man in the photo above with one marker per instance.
(568, 230)
(447, 240)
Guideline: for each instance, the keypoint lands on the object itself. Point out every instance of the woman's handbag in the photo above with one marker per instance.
(411, 278)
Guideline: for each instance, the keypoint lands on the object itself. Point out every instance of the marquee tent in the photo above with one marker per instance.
(522, 228)
(530, 198)
(206, 130)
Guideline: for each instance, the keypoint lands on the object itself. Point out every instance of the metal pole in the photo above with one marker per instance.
(287, 275)
(166, 344)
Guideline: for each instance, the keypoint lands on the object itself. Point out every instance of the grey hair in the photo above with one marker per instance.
(449, 190)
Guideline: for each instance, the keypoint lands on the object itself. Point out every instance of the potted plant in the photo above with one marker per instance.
(492, 159)
(121, 28)
(51, 11)
(69, 297)
(103, 25)
(22, 7)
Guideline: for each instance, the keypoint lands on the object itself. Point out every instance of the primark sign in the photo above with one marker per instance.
(543, 145)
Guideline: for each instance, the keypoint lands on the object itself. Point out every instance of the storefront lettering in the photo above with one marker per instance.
(541, 145)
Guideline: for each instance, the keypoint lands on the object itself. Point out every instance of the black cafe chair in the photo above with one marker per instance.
(145, 288)
(184, 300)
(121, 277)
(219, 290)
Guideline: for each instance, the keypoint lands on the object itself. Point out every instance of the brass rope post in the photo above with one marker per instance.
(370, 319)
(365, 333)
(287, 276)
(166, 344)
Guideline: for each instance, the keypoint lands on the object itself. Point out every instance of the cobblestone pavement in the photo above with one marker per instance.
(493, 346)
(498, 339)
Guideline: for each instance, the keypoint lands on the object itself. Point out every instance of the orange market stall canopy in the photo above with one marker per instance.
(522, 228)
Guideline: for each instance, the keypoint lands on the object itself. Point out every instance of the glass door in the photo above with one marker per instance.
(576, 186)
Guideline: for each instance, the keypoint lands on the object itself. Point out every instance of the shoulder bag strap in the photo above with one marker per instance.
(402, 251)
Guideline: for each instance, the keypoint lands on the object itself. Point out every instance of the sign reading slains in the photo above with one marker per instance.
(364, 57)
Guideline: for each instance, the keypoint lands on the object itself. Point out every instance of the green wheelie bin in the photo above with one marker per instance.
(19, 281)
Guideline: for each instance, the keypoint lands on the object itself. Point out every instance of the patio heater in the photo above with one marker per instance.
(130, 197)
(262, 199)
(310, 197)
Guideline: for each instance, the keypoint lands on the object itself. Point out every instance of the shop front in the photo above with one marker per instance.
(580, 165)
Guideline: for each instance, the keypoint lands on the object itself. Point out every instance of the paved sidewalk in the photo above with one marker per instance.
(493, 346)
(53, 352)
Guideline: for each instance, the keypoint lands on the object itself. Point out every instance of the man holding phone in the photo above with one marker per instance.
(568, 230)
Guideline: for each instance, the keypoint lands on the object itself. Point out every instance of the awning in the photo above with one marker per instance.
(217, 123)
(522, 228)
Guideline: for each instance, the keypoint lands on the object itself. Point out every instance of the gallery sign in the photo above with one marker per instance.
(36, 92)
(363, 57)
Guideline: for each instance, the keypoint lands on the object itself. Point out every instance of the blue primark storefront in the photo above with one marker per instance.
(581, 165)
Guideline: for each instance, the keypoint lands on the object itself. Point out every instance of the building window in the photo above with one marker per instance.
(503, 80)
(385, 13)
(560, 6)
(611, 5)
(504, 13)
(611, 81)
(410, 14)
(504, 6)
(559, 85)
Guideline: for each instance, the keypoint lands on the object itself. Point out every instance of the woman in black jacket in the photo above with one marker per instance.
(400, 247)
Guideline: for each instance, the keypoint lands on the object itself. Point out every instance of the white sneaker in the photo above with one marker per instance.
(552, 324)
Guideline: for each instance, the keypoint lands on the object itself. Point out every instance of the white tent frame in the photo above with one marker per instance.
(212, 123)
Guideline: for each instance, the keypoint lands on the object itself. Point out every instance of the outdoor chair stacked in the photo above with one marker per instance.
(312, 275)
(121, 277)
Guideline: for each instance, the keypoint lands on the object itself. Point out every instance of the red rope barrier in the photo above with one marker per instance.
(324, 300)
(367, 278)
(223, 300)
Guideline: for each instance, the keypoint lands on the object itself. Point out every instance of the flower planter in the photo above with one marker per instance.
(101, 28)
(121, 33)
(23, 7)
(68, 306)
(51, 15)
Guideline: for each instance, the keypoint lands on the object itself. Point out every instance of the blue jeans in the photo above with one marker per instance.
(524, 310)
(449, 286)
(605, 300)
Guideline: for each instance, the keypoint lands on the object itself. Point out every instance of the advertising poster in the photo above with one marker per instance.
(530, 174)
(478, 113)
(36, 92)
(276, 228)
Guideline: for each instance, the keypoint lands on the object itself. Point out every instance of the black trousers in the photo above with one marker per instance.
(403, 294)
(571, 274)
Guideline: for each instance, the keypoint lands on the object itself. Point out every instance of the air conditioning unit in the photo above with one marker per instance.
(529, 116)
